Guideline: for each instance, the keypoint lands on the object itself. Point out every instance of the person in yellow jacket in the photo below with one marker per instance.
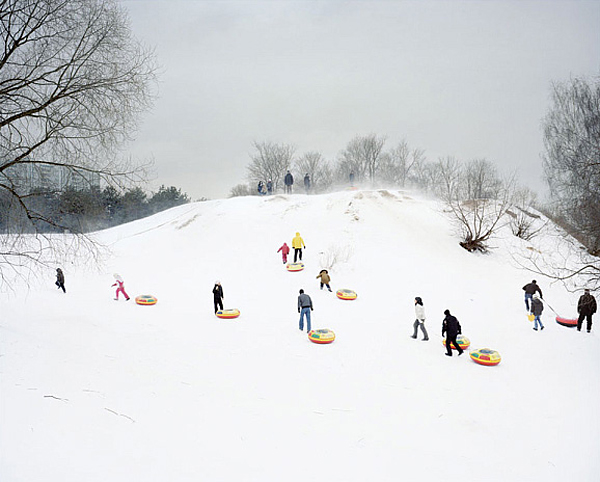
(298, 244)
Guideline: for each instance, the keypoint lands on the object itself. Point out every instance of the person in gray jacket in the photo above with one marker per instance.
(305, 306)
(536, 310)
(420, 321)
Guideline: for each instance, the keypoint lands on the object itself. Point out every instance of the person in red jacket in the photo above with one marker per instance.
(285, 250)
(120, 287)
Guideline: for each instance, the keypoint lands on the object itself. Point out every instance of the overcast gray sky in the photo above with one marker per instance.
(469, 79)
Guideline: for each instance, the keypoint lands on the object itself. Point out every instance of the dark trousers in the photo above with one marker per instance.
(61, 286)
(583, 316)
(219, 304)
(288, 189)
(328, 287)
(296, 252)
(452, 339)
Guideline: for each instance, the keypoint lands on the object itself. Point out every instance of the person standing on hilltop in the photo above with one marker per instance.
(586, 307)
(530, 289)
(298, 244)
(218, 296)
(451, 327)
(261, 188)
(307, 183)
(288, 180)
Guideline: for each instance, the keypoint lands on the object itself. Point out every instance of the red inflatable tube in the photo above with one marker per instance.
(566, 322)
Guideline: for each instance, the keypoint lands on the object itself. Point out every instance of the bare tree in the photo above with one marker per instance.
(566, 260)
(397, 165)
(317, 168)
(270, 161)
(362, 155)
(522, 218)
(73, 82)
(571, 161)
(477, 217)
(447, 172)
(240, 190)
(334, 255)
(427, 176)
(481, 179)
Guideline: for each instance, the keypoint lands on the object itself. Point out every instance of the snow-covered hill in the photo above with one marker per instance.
(98, 390)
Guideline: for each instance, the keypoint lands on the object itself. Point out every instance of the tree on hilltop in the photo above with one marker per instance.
(270, 161)
(313, 164)
(166, 198)
(362, 156)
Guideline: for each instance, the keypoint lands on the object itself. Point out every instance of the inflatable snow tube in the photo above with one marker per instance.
(346, 294)
(322, 337)
(463, 342)
(228, 314)
(485, 356)
(569, 323)
(293, 267)
(146, 300)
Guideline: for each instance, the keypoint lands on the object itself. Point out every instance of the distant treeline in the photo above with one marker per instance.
(84, 210)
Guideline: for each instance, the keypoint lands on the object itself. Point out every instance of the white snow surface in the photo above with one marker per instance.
(98, 390)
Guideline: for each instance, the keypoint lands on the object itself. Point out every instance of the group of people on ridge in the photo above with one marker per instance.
(288, 182)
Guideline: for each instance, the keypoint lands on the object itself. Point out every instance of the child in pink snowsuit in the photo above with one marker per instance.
(285, 250)
(121, 287)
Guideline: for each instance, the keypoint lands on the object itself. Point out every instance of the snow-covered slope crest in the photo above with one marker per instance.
(94, 389)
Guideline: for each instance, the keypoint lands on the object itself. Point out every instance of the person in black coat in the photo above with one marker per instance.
(586, 307)
(451, 327)
(530, 289)
(60, 280)
(307, 183)
(218, 296)
(288, 180)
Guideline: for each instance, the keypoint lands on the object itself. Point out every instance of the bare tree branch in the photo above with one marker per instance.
(73, 82)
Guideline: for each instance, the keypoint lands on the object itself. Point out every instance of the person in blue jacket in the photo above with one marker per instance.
(288, 180)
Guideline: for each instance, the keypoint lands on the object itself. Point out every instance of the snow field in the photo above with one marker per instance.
(96, 390)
